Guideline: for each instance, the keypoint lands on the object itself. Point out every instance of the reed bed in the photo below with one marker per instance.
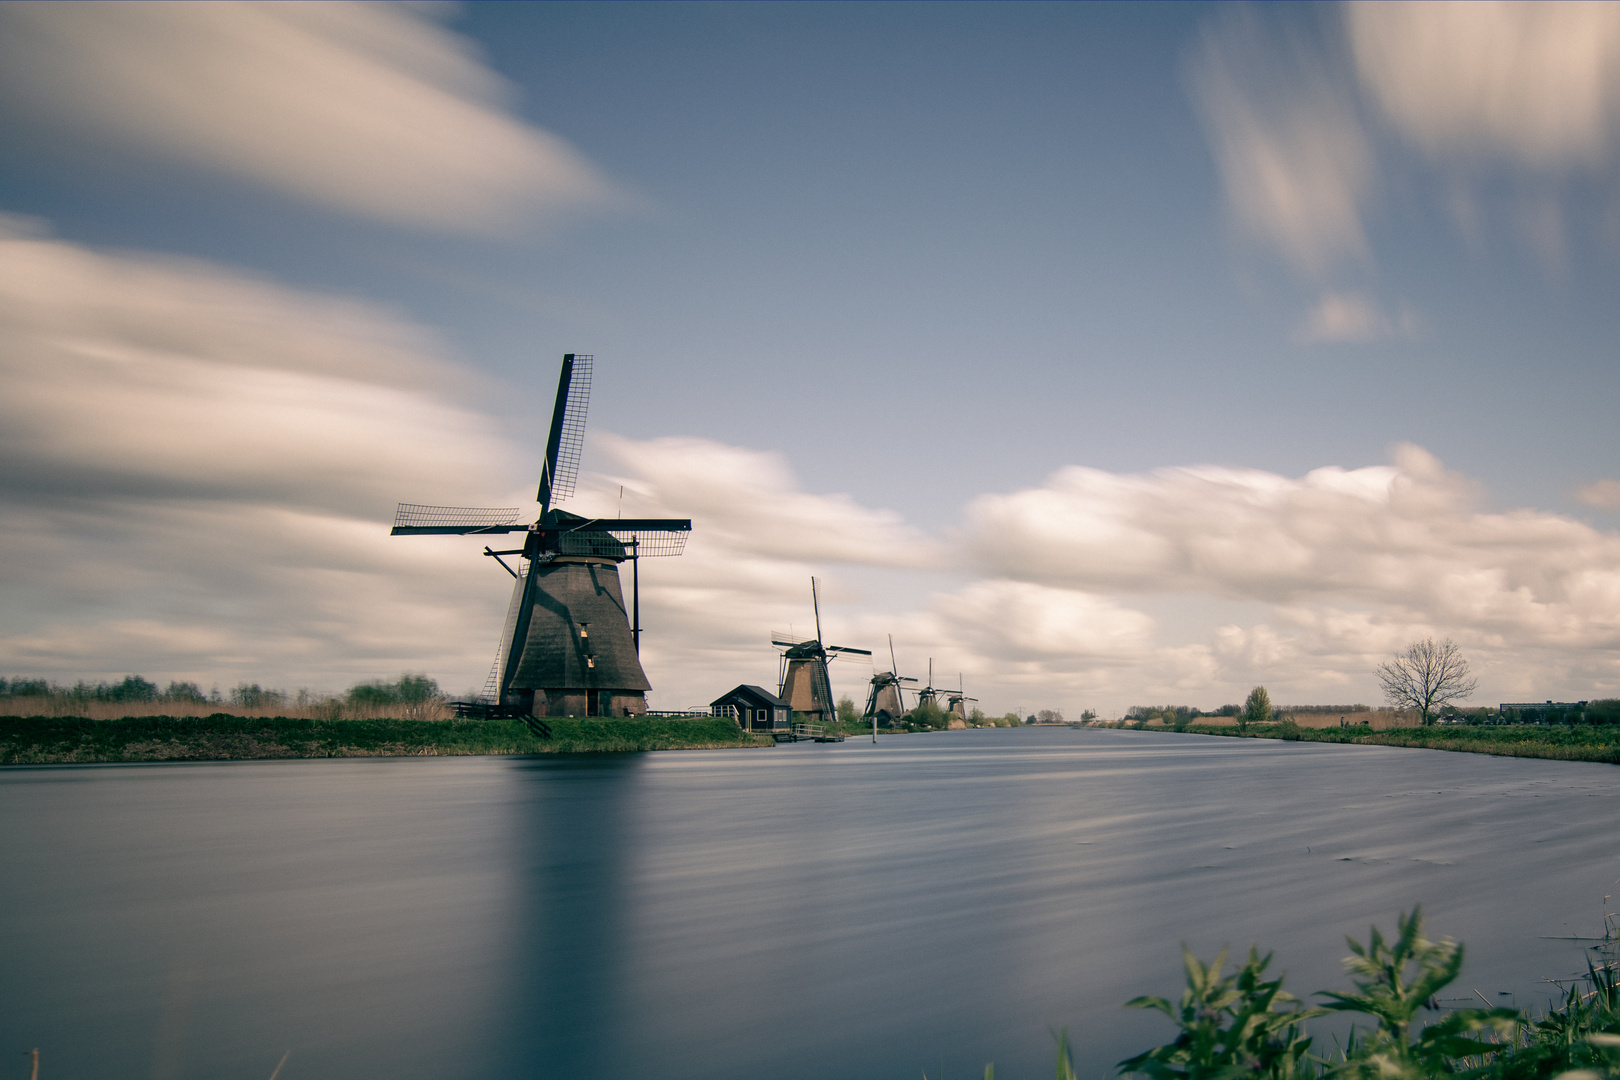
(1561, 742)
(50, 740)
(333, 708)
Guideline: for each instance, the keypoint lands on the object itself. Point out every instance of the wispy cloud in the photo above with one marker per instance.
(200, 467)
(1349, 316)
(1536, 83)
(371, 109)
(1603, 494)
(1294, 161)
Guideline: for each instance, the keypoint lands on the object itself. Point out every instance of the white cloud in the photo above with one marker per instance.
(368, 108)
(1407, 541)
(1603, 494)
(1295, 163)
(1340, 316)
(200, 468)
(1537, 83)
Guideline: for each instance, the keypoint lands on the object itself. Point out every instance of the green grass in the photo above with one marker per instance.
(40, 740)
(1565, 742)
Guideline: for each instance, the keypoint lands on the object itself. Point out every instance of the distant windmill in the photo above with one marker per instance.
(928, 695)
(956, 701)
(886, 702)
(804, 682)
(568, 647)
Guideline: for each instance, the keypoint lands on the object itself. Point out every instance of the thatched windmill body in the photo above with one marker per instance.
(956, 700)
(885, 702)
(805, 685)
(570, 645)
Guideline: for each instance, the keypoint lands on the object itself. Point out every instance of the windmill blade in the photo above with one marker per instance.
(622, 543)
(644, 537)
(847, 649)
(567, 436)
(414, 518)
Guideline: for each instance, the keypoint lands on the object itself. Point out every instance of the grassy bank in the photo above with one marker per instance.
(42, 740)
(1565, 742)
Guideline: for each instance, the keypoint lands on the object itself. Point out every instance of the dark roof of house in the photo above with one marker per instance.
(758, 693)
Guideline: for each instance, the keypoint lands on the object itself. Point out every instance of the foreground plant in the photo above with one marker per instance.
(1237, 1025)
(1395, 979)
(1244, 1025)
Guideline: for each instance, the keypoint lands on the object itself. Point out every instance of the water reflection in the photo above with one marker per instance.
(565, 982)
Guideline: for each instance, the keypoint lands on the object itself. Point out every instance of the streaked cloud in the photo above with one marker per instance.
(371, 109)
(1349, 316)
(201, 467)
(199, 471)
(1603, 494)
(750, 499)
(1537, 83)
(1295, 164)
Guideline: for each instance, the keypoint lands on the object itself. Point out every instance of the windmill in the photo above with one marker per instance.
(804, 682)
(956, 701)
(885, 703)
(569, 646)
(928, 695)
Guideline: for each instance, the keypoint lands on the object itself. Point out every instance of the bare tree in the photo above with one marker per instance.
(1426, 676)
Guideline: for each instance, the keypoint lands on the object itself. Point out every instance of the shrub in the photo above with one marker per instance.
(1256, 708)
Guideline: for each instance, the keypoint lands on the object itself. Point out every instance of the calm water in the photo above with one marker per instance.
(809, 911)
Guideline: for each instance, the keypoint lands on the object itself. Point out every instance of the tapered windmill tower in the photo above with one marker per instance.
(570, 646)
(805, 685)
(956, 700)
(885, 702)
(928, 695)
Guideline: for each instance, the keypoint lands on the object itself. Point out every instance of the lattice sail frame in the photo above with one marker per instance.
(622, 544)
(572, 442)
(417, 516)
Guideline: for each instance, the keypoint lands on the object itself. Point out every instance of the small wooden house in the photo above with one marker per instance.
(754, 708)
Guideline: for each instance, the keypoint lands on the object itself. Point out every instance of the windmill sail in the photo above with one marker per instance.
(414, 518)
(567, 437)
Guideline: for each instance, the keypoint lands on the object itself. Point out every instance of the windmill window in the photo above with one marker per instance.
(590, 661)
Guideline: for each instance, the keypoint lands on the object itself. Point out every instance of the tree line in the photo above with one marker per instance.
(408, 690)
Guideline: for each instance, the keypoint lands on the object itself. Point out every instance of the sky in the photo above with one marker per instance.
(1102, 355)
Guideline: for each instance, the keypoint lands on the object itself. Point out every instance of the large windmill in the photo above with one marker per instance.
(569, 647)
(804, 682)
(886, 703)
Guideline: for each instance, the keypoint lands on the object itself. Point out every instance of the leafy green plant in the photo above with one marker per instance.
(1237, 1025)
(1396, 979)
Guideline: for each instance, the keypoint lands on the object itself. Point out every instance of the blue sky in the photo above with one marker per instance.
(1108, 354)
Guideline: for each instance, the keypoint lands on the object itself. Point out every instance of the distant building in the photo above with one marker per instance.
(1540, 710)
(753, 707)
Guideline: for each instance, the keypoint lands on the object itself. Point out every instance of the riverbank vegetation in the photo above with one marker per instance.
(1563, 742)
(1243, 1024)
(413, 696)
(53, 740)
